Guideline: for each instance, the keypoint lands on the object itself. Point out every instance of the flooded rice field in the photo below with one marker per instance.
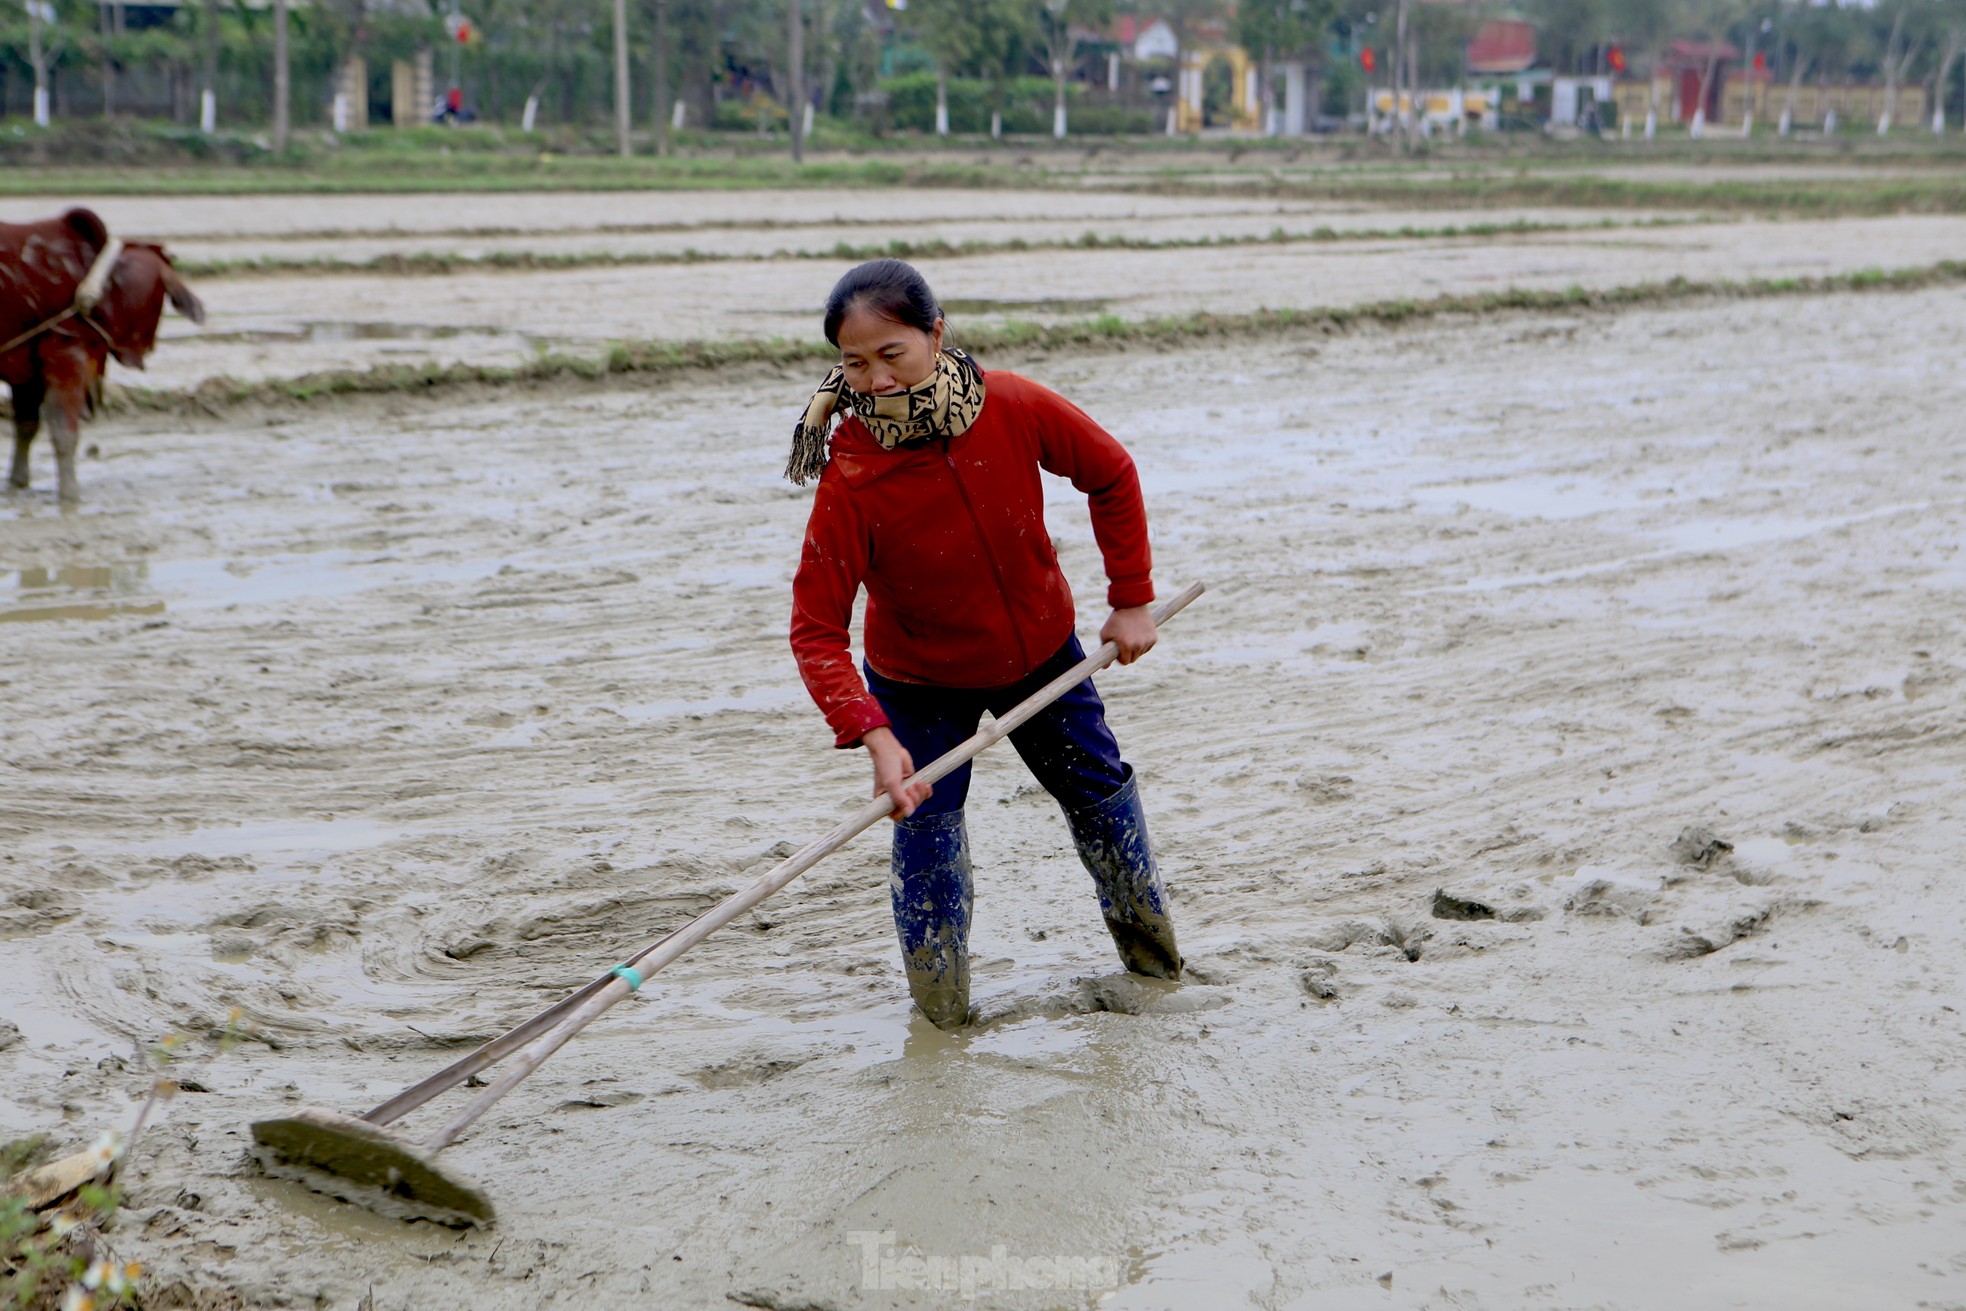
(381, 724)
(753, 264)
(582, 309)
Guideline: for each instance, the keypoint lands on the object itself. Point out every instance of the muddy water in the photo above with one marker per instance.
(279, 326)
(449, 707)
(757, 233)
(507, 315)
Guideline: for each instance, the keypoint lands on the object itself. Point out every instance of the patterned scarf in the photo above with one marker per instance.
(943, 404)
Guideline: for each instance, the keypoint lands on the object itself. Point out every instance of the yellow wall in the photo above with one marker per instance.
(1248, 112)
(1853, 104)
(1634, 98)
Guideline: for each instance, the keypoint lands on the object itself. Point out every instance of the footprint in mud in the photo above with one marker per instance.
(1699, 847)
(1320, 979)
(603, 1100)
(1688, 944)
(35, 910)
(1470, 905)
(1648, 899)
(745, 1072)
(433, 940)
(1130, 994)
(279, 930)
(193, 864)
(1614, 895)
(1117, 994)
(1405, 935)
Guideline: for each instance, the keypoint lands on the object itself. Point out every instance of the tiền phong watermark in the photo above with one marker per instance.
(887, 1266)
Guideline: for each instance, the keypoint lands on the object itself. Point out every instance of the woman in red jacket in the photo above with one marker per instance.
(930, 498)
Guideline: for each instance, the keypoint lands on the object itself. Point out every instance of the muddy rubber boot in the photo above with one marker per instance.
(930, 884)
(1112, 842)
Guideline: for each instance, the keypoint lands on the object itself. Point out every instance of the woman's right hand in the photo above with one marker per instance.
(893, 767)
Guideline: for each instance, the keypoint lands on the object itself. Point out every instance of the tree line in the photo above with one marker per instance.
(782, 65)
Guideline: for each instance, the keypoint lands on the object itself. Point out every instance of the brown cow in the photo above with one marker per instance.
(54, 350)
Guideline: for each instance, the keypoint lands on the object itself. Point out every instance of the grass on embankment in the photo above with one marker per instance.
(1938, 193)
(656, 360)
(1942, 192)
(436, 263)
(1907, 172)
(473, 173)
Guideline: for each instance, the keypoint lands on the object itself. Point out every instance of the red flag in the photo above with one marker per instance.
(1760, 61)
(1616, 59)
(1367, 60)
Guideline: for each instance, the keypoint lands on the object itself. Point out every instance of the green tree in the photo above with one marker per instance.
(984, 37)
(36, 28)
(1569, 32)
(1949, 23)
(1296, 30)
(943, 28)
(1060, 26)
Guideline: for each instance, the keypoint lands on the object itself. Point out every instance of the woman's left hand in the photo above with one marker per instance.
(1132, 630)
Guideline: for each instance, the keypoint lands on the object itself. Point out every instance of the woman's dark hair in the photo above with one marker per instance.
(890, 288)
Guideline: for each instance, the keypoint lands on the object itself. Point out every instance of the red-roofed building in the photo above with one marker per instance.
(1502, 45)
(1145, 39)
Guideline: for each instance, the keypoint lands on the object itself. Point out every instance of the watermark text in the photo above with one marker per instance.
(887, 1266)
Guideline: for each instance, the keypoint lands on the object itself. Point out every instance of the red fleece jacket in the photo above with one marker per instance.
(963, 587)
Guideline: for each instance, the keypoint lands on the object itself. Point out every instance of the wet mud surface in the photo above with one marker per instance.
(269, 326)
(385, 724)
(504, 318)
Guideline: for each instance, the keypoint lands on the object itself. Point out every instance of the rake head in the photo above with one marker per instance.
(369, 1166)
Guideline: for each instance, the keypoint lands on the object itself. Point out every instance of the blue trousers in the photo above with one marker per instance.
(1066, 746)
(1072, 753)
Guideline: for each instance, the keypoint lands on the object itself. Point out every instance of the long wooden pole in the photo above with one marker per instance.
(611, 988)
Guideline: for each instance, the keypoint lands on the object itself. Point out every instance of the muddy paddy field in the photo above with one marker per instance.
(1558, 785)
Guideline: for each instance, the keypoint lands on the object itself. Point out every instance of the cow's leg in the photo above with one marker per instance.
(65, 431)
(67, 375)
(27, 422)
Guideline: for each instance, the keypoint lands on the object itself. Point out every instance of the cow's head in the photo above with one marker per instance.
(133, 301)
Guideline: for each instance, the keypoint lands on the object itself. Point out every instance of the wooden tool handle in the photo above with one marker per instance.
(580, 1010)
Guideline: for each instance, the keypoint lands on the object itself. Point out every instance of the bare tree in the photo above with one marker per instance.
(824, 24)
(282, 77)
(796, 100)
(1399, 77)
(1899, 51)
(621, 116)
(659, 110)
(108, 62)
(1282, 30)
(942, 28)
(41, 52)
(1797, 71)
(1955, 42)
(1063, 18)
(208, 70)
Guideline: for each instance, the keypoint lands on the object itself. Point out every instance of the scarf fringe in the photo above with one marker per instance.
(809, 453)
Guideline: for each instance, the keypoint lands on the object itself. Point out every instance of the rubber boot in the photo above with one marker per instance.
(1112, 842)
(930, 884)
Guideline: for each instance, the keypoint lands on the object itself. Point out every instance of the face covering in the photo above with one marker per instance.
(943, 404)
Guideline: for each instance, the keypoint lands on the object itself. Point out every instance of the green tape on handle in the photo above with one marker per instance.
(630, 973)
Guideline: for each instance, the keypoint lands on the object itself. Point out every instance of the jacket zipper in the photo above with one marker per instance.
(996, 570)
